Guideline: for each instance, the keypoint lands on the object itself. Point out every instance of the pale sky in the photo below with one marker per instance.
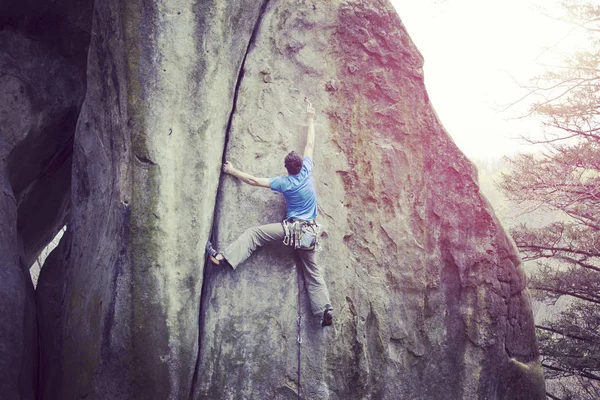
(476, 52)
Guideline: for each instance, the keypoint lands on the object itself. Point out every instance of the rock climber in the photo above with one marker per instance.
(299, 229)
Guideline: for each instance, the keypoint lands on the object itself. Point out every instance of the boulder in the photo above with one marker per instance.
(42, 85)
(42, 64)
(43, 93)
(18, 328)
(429, 295)
(146, 165)
(61, 26)
(50, 296)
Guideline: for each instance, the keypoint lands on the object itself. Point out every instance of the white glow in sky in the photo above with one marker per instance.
(476, 53)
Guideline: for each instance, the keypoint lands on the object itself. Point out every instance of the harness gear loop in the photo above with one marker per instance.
(286, 239)
(301, 234)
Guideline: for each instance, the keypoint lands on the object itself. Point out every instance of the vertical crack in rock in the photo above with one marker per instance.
(238, 83)
(206, 275)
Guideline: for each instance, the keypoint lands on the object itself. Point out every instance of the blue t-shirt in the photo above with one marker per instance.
(298, 191)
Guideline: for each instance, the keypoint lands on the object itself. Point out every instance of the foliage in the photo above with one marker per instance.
(565, 177)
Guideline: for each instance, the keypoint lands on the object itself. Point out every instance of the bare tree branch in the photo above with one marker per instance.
(545, 328)
(580, 373)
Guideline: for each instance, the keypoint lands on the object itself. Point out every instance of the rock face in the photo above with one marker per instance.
(43, 65)
(146, 164)
(429, 296)
(18, 332)
(42, 85)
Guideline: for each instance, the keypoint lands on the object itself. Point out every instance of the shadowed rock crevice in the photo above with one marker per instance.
(43, 92)
(43, 56)
(50, 300)
(241, 73)
(206, 274)
(44, 203)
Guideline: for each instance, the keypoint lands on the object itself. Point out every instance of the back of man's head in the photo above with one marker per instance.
(293, 163)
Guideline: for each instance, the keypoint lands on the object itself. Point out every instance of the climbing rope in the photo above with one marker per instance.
(299, 323)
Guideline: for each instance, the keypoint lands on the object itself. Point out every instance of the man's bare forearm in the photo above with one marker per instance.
(243, 176)
(310, 134)
(228, 168)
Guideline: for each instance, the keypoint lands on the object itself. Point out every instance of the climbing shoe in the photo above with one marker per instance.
(327, 316)
(212, 253)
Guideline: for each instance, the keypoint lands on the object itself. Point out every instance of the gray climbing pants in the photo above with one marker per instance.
(238, 251)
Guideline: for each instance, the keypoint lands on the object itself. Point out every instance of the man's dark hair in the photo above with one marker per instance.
(293, 163)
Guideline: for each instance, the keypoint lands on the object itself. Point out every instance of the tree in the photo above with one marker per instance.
(565, 177)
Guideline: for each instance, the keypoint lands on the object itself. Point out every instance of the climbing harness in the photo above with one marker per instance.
(301, 235)
(299, 323)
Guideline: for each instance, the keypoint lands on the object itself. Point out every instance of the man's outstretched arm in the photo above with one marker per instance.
(228, 168)
(310, 135)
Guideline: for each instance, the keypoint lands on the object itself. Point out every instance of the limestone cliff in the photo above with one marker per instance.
(429, 295)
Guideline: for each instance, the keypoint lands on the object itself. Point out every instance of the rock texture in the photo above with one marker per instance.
(42, 75)
(18, 329)
(429, 296)
(50, 294)
(146, 164)
(42, 85)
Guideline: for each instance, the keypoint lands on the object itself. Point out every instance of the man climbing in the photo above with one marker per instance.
(298, 230)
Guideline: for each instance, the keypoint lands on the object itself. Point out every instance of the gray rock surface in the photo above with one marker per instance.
(147, 154)
(50, 295)
(430, 300)
(429, 297)
(42, 84)
(42, 76)
(43, 93)
(18, 329)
